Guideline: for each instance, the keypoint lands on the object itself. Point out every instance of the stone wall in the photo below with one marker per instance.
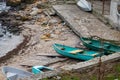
(114, 15)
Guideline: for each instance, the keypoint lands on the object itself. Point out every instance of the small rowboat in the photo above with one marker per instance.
(15, 74)
(83, 4)
(75, 52)
(94, 44)
(40, 69)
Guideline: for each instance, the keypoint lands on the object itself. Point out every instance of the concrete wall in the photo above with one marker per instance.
(114, 13)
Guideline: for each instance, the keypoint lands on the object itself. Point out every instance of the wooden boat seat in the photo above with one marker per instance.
(88, 42)
(76, 51)
(94, 55)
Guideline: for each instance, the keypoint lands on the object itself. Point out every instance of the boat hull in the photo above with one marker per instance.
(14, 74)
(39, 69)
(96, 45)
(86, 55)
(84, 5)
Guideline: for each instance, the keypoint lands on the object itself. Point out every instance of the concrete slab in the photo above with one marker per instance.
(93, 62)
(85, 24)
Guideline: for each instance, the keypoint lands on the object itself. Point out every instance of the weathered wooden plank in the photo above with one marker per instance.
(39, 60)
(85, 24)
(49, 54)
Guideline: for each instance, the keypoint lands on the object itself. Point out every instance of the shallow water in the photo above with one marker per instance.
(3, 6)
(8, 41)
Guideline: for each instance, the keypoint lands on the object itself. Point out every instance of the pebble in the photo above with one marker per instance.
(58, 77)
(54, 36)
(34, 11)
(53, 21)
(63, 38)
(1, 35)
(57, 32)
(41, 5)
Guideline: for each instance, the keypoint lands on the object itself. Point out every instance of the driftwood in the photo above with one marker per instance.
(30, 63)
(51, 55)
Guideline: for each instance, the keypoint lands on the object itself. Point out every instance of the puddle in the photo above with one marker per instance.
(8, 41)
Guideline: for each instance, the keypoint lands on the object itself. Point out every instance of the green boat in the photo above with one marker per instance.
(76, 53)
(97, 45)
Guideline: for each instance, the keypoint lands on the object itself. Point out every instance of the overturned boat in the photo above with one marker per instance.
(14, 74)
(84, 5)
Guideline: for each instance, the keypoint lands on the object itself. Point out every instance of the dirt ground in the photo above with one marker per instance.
(44, 30)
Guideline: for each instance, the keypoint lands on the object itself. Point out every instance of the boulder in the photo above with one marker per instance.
(28, 1)
(13, 3)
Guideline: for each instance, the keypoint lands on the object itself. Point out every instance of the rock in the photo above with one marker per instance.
(58, 77)
(23, 18)
(42, 5)
(1, 35)
(54, 36)
(53, 21)
(3, 13)
(28, 1)
(34, 8)
(34, 11)
(22, 6)
(51, 12)
(57, 32)
(46, 36)
(40, 11)
(63, 29)
(13, 3)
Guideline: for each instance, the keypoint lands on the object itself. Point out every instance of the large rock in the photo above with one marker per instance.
(13, 3)
(28, 1)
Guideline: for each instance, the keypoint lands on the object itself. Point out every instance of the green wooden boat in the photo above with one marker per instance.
(75, 52)
(94, 44)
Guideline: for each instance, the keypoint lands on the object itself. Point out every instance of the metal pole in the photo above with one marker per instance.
(103, 7)
(92, 3)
